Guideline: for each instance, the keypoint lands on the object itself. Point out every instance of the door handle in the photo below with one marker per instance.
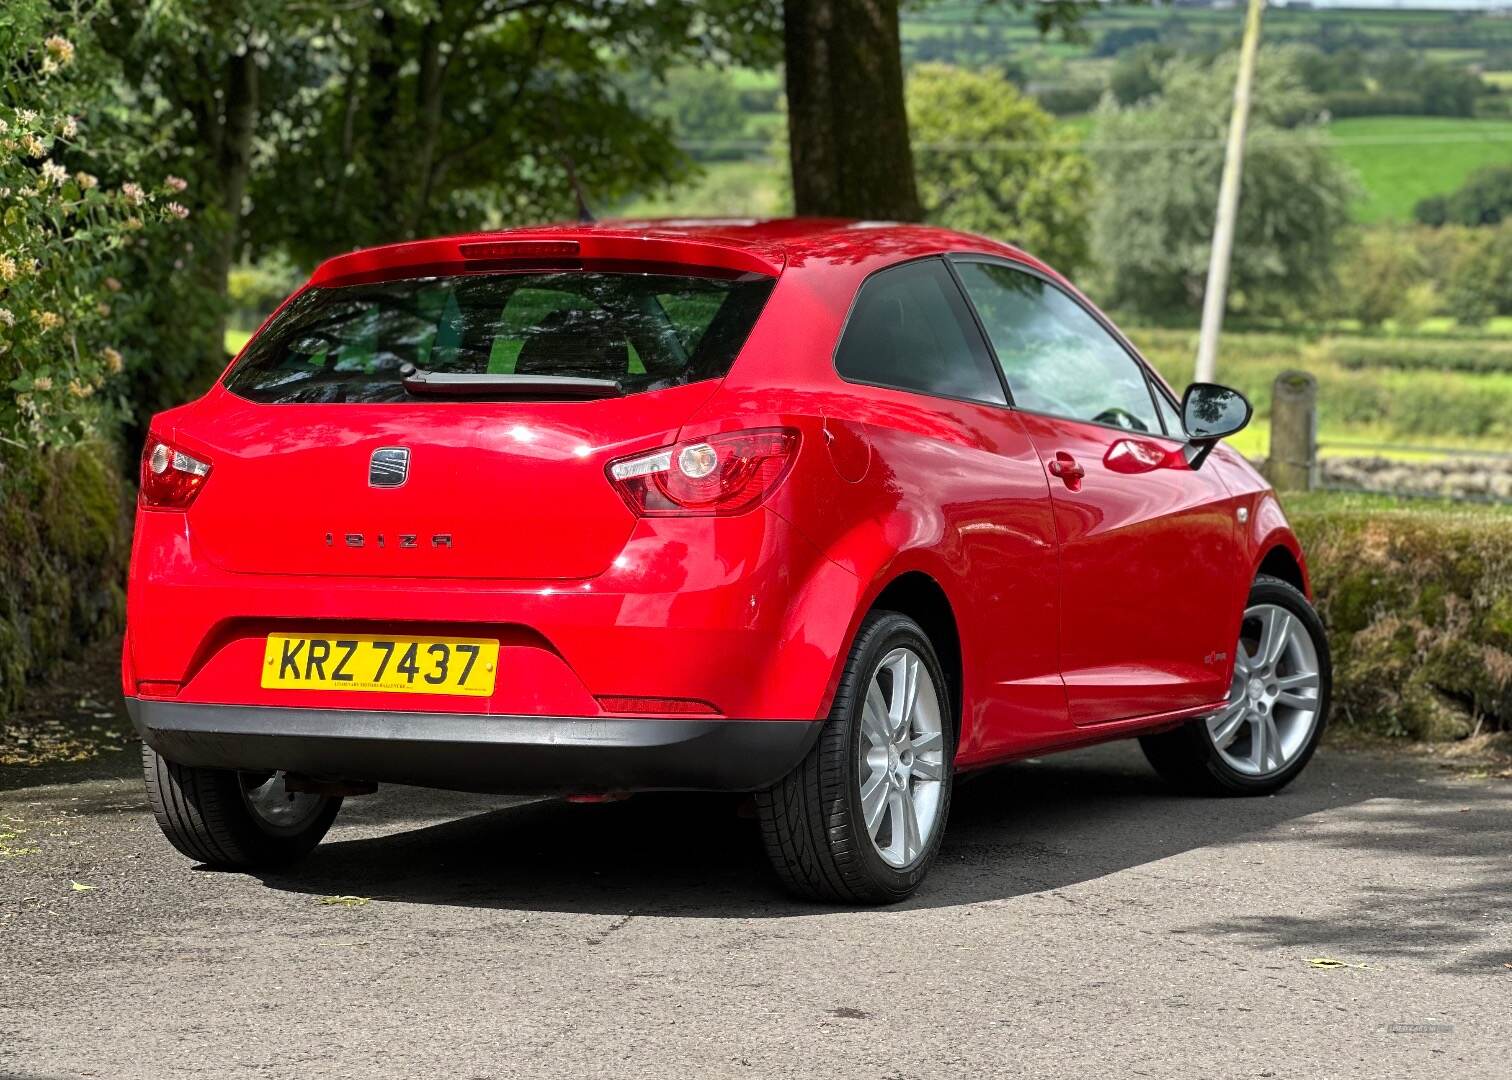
(1066, 468)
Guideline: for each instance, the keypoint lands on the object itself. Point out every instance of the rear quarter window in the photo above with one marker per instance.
(646, 331)
(910, 329)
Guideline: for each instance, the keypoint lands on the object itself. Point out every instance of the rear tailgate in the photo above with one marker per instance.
(493, 489)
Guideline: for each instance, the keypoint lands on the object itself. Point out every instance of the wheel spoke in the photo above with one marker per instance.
(1229, 723)
(1258, 738)
(1296, 701)
(874, 801)
(929, 740)
(905, 825)
(905, 691)
(874, 719)
(1272, 741)
(925, 769)
(1276, 628)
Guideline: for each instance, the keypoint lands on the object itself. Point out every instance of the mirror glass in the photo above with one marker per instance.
(1210, 411)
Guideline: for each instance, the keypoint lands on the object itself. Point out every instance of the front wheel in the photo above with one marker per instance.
(860, 819)
(234, 820)
(1276, 709)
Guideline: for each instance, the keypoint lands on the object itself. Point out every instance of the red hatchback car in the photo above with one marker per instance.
(825, 511)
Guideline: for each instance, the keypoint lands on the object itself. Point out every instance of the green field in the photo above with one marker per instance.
(1402, 159)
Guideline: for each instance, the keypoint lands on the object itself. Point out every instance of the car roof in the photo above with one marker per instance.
(742, 245)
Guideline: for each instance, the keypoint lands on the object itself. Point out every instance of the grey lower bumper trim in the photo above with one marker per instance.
(469, 752)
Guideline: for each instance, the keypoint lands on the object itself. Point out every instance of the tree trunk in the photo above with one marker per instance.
(233, 167)
(847, 123)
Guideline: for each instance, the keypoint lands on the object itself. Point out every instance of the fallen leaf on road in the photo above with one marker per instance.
(339, 944)
(1328, 962)
(79, 886)
(345, 901)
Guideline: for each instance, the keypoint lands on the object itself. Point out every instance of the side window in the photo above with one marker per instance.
(1170, 414)
(1057, 358)
(910, 329)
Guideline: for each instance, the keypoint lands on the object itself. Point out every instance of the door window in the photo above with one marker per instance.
(1056, 357)
(910, 329)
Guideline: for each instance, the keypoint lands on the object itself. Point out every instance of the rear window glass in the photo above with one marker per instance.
(647, 331)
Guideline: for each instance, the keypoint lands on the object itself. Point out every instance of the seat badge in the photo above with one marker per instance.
(389, 467)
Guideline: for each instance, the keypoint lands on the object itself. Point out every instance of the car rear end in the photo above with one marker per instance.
(459, 516)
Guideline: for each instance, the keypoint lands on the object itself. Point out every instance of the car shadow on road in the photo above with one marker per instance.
(1021, 828)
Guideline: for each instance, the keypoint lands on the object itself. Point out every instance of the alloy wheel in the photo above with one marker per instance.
(276, 807)
(1273, 702)
(901, 757)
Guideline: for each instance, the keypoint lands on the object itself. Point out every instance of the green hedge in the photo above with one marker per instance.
(1417, 354)
(1418, 605)
(64, 541)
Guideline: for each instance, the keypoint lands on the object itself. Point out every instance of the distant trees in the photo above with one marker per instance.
(1377, 279)
(988, 159)
(1163, 157)
(1485, 198)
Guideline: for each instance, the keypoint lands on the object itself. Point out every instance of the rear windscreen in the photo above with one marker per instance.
(646, 331)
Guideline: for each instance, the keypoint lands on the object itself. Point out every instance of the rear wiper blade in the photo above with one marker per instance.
(486, 385)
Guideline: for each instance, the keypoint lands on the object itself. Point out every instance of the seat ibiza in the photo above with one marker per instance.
(824, 511)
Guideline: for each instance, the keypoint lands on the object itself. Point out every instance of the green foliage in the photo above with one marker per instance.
(1377, 277)
(70, 230)
(988, 160)
(1480, 279)
(63, 549)
(433, 117)
(1418, 606)
(1420, 354)
(1485, 198)
(1163, 158)
(1137, 73)
(701, 104)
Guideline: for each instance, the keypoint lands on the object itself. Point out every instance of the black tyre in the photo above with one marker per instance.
(234, 820)
(1277, 707)
(859, 821)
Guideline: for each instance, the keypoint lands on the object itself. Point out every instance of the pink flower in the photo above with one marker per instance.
(178, 210)
(134, 193)
(176, 183)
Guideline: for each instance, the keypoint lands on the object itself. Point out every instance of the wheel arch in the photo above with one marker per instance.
(1280, 562)
(910, 586)
(1274, 546)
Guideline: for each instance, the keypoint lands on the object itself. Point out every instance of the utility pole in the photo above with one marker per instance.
(1215, 299)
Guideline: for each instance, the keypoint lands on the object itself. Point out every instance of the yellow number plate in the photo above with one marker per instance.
(465, 666)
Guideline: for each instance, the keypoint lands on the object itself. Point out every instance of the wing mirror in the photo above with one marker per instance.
(1210, 412)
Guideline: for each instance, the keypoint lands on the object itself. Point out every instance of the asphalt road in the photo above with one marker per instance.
(1083, 922)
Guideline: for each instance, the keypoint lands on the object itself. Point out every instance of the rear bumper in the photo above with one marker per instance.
(485, 753)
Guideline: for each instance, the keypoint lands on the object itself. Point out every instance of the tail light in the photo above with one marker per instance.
(718, 476)
(170, 478)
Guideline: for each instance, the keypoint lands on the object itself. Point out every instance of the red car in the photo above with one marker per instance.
(825, 511)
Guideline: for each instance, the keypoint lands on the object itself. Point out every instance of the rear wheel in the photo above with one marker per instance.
(1276, 710)
(234, 820)
(860, 820)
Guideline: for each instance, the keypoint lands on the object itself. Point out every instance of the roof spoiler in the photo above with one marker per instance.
(563, 249)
